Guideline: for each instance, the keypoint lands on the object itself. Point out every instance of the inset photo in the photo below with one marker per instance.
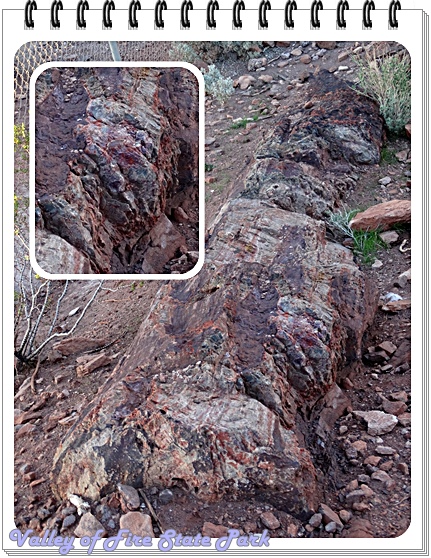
(116, 171)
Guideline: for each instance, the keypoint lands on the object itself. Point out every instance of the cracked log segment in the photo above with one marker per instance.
(116, 152)
(217, 390)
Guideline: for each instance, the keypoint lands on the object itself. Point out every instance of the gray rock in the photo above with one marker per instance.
(130, 496)
(68, 521)
(315, 520)
(88, 526)
(378, 422)
(166, 496)
(137, 523)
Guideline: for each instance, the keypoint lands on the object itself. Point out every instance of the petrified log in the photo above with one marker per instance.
(116, 152)
(216, 392)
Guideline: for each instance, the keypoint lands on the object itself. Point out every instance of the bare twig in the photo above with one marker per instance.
(151, 509)
(33, 376)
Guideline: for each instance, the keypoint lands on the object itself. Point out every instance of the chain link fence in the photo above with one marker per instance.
(31, 55)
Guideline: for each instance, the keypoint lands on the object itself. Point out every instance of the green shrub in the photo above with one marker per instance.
(216, 85)
(365, 243)
(388, 82)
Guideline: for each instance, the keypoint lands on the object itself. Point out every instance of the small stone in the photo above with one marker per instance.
(305, 59)
(389, 237)
(166, 496)
(34, 524)
(256, 63)
(37, 482)
(327, 45)
(180, 215)
(385, 450)
(214, 531)
(378, 422)
(28, 477)
(405, 419)
(368, 493)
(296, 52)
(388, 347)
(404, 468)
(266, 78)
(331, 527)
(385, 180)
(270, 521)
(308, 105)
(343, 429)
(283, 63)
(343, 68)
(333, 69)
(329, 515)
(353, 485)
(383, 215)
(209, 141)
(343, 56)
(387, 466)
(88, 526)
(354, 496)
(137, 523)
(244, 82)
(130, 496)
(345, 516)
(360, 506)
(315, 520)
(25, 430)
(380, 476)
(377, 264)
(364, 479)
(67, 522)
(399, 396)
(394, 407)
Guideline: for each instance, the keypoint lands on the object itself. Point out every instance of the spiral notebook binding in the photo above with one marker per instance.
(134, 6)
(366, 14)
(212, 6)
(314, 19)
(393, 7)
(264, 6)
(184, 19)
(288, 19)
(28, 14)
(236, 14)
(106, 18)
(158, 14)
(80, 14)
(343, 5)
(56, 6)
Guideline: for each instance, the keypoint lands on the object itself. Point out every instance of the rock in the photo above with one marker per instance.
(240, 350)
(26, 430)
(137, 523)
(394, 407)
(377, 264)
(361, 446)
(327, 45)
(378, 422)
(68, 521)
(165, 241)
(28, 477)
(256, 63)
(343, 68)
(308, 105)
(403, 155)
(283, 64)
(315, 520)
(382, 216)
(214, 531)
(88, 526)
(359, 528)
(305, 59)
(405, 419)
(380, 476)
(296, 52)
(387, 466)
(331, 527)
(399, 396)
(90, 366)
(109, 164)
(385, 450)
(389, 237)
(335, 403)
(408, 128)
(345, 516)
(404, 468)
(266, 78)
(403, 279)
(130, 496)
(372, 460)
(343, 429)
(244, 82)
(270, 521)
(73, 345)
(360, 506)
(26, 416)
(209, 141)
(343, 56)
(179, 215)
(397, 305)
(388, 347)
(385, 181)
(166, 496)
(328, 516)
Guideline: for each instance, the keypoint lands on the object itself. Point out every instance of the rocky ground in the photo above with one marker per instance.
(362, 462)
